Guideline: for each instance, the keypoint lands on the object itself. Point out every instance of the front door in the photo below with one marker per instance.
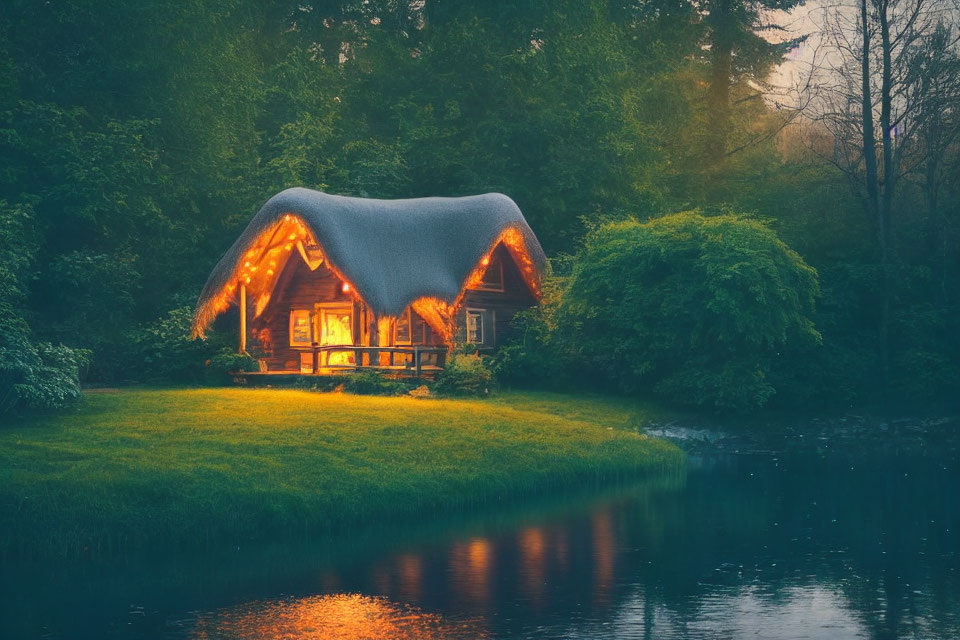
(335, 329)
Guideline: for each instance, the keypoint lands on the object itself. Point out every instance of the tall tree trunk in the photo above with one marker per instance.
(718, 95)
(869, 135)
(872, 181)
(888, 186)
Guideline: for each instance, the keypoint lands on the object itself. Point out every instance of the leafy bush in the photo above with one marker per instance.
(36, 376)
(542, 352)
(165, 351)
(33, 375)
(692, 307)
(924, 376)
(227, 361)
(465, 375)
(100, 290)
(370, 383)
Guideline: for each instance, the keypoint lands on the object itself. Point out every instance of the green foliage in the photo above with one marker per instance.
(36, 376)
(164, 351)
(692, 307)
(464, 375)
(370, 383)
(544, 352)
(227, 361)
(114, 204)
(218, 465)
(33, 375)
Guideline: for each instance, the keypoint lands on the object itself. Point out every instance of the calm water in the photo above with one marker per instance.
(860, 541)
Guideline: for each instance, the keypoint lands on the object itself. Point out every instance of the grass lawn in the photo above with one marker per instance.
(135, 467)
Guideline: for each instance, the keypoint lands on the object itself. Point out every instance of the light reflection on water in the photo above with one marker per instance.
(817, 546)
(333, 617)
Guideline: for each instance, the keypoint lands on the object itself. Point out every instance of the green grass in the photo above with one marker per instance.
(137, 467)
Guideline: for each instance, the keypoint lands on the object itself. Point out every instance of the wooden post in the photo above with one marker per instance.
(243, 318)
(374, 339)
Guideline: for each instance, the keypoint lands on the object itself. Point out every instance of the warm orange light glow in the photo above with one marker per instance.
(604, 550)
(479, 553)
(335, 617)
(470, 567)
(261, 304)
(512, 239)
(410, 572)
(385, 336)
(532, 554)
(438, 314)
(260, 281)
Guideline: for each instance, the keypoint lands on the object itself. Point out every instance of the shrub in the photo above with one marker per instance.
(36, 376)
(165, 351)
(227, 361)
(33, 375)
(542, 352)
(694, 308)
(370, 383)
(464, 374)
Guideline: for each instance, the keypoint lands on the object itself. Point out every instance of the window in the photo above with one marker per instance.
(404, 330)
(492, 278)
(301, 328)
(335, 328)
(475, 326)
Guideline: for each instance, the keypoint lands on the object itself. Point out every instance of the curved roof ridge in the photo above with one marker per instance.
(391, 251)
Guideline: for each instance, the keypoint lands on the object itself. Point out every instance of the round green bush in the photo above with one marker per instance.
(693, 308)
(465, 374)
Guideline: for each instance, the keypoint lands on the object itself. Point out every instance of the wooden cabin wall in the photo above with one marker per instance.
(501, 305)
(299, 288)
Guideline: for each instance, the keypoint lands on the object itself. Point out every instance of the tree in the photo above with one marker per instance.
(879, 97)
(732, 32)
(695, 308)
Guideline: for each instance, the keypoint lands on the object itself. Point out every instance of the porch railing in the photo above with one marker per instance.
(411, 360)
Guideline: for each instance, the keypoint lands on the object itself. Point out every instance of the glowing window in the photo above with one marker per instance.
(301, 328)
(404, 333)
(475, 326)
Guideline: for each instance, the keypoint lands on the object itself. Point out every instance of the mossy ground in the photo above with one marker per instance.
(190, 466)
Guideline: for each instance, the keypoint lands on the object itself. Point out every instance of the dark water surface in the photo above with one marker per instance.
(817, 541)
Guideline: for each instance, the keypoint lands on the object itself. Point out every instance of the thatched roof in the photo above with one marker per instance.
(393, 252)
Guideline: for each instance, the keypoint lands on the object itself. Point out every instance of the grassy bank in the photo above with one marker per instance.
(133, 467)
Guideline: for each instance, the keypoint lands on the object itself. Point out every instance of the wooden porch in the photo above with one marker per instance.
(322, 360)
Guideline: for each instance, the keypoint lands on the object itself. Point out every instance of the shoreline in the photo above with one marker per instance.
(201, 467)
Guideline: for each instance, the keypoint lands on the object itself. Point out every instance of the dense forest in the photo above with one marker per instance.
(138, 138)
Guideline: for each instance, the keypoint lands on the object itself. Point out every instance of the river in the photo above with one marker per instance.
(858, 538)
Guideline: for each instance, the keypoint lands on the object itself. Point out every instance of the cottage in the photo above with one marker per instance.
(328, 283)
